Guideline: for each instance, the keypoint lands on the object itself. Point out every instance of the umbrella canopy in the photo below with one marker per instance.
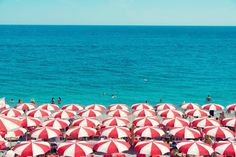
(231, 107)
(141, 106)
(227, 148)
(98, 107)
(146, 121)
(118, 106)
(203, 122)
(45, 133)
(90, 113)
(149, 131)
(9, 123)
(64, 114)
(175, 122)
(197, 113)
(30, 122)
(25, 106)
(3, 143)
(57, 123)
(230, 122)
(144, 113)
(49, 107)
(74, 148)
(12, 112)
(164, 106)
(86, 121)
(15, 133)
(218, 132)
(212, 106)
(197, 148)
(185, 132)
(152, 147)
(111, 146)
(118, 113)
(79, 131)
(115, 121)
(38, 113)
(32, 148)
(170, 113)
(187, 106)
(115, 132)
(72, 107)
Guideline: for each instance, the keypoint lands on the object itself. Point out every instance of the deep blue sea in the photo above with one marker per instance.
(87, 64)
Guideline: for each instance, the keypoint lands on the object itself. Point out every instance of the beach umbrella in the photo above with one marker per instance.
(74, 148)
(187, 106)
(49, 107)
(152, 147)
(45, 133)
(111, 146)
(230, 122)
(12, 112)
(185, 132)
(10, 153)
(38, 113)
(141, 106)
(86, 121)
(4, 107)
(168, 113)
(118, 113)
(32, 148)
(95, 107)
(146, 121)
(197, 113)
(9, 123)
(227, 148)
(203, 122)
(64, 114)
(218, 132)
(3, 143)
(115, 121)
(80, 131)
(72, 107)
(175, 122)
(231, 107)
(118, 106)
(144, 113)
(15, 133)
(213, 106)
(90, 113)
(30, 122)
(197, 148)
(164, 106)
(57, 123)
(25, 106)
(115, 132)
(148, 131)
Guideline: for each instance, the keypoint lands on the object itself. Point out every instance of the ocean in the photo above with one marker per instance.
(89, 64)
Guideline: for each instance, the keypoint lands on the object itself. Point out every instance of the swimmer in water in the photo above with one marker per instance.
(113, 96)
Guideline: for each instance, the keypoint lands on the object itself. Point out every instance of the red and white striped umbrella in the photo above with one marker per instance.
(146, 121)
(212, 106)
(227, 148)
(32, 148)
(231, 107)
(164, 106)
(9, 123)
(25, 106)
(38, 113)
(49, 107)
(115, 132)
(203, 122)
(72, 107)
(64, 114)
(116, 121)
(74, 148)
(111, 146)
(15, 133)
(90, 113)
(45, 133)
(118, 106)
(3, 143)
(149, 131)
(85, 121)
(141, 106)
(4, 107)
(118, 113)
(187, 106)
(30, 122)
(12, 112)
(185, 132)
(152, 147)
(230, 122)
(144, 113)
(170, 113)
(218, 132)
(175, 122)
(57, 123)
(197, 148)
(197, 113)
(78, 132)
(95, 107)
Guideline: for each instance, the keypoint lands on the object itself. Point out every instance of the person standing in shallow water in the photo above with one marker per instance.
(53, 101)
(208, 99)
(59, 100)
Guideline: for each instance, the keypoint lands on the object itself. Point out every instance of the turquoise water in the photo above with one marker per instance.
(87, 64)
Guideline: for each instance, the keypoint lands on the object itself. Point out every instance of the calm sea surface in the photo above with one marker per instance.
(87, 64)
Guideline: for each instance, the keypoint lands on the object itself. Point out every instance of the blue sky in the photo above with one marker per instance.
(119, 12)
